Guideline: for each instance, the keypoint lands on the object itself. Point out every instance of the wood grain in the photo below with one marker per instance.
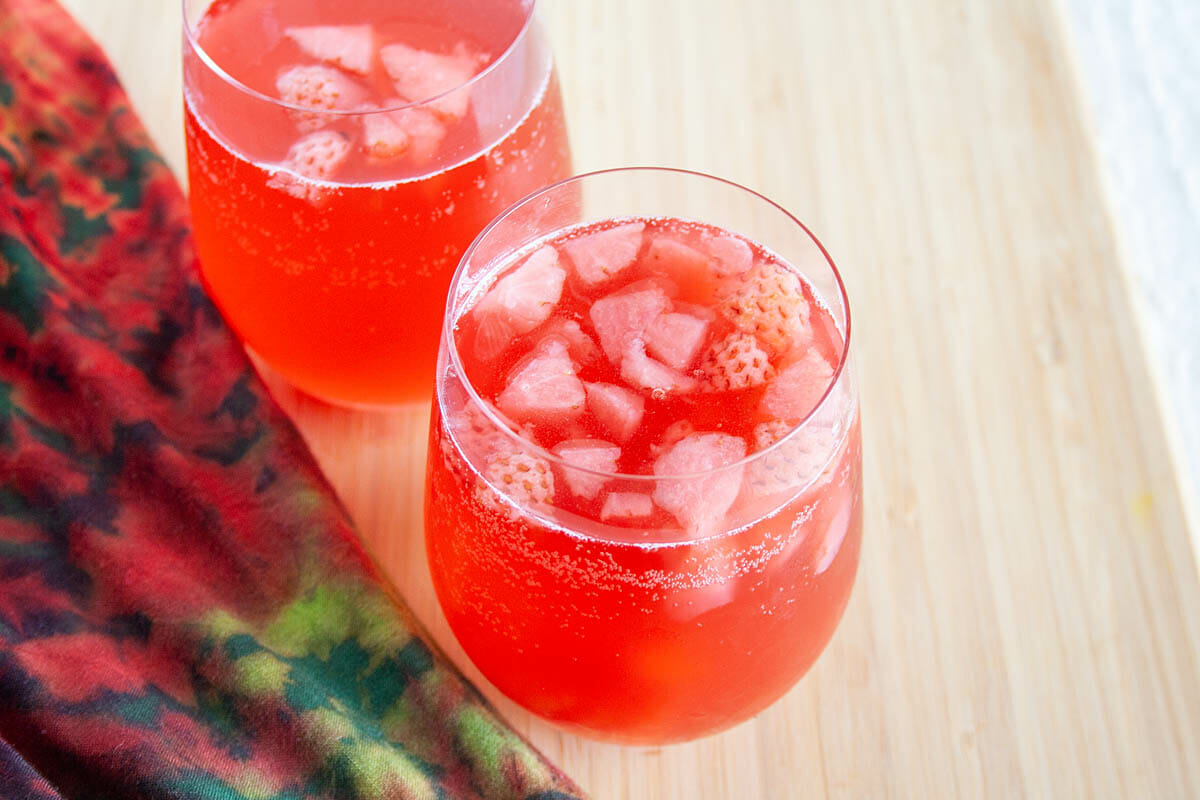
(1025, 621)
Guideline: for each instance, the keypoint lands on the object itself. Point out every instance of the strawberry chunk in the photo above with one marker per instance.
(316, 157)
(519, 302)
(676, 339)
(319, 88)
(493, 335)
(768, 433)
(622, 317)
(718, 580)
(384, 136)
(515, 480)
(416, 132)
(795, 461)
(425, 133)
(685, 264)
(803, 454)
(699, 503)
(731, 255)
(642, 372)
(347, 46)
(736, 362)
(475, 431)
(602, 255)
(698, 311)
(544, 387)
(678, 430)
(626, 505)
(584, 350)
(768, 302)
(782, 469)
(420, 75)
(798, 388)
(835, 534)
(616, 408)
(594, 455)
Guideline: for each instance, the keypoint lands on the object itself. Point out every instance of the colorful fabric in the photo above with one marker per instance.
(185, 611)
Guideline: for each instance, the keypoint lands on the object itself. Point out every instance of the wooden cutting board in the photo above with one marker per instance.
(1027, 616)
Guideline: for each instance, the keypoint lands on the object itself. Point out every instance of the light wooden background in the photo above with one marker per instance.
(1027, 616)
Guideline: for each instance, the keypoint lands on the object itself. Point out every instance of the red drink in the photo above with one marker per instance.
(644, 488)
(328, 237)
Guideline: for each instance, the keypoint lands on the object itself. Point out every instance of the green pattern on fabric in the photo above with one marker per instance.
(23, 283)
(124, 171)
(80, 230)
(6, 412)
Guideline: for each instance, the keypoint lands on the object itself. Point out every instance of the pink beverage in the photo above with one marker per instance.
(644, 495)
(342, 155)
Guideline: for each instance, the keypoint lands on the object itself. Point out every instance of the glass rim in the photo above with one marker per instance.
(189, 32)
(553, 458)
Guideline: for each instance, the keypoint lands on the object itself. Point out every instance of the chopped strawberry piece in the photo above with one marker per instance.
(798, 388)
(494, 334)
(316, 157)
(768, 433)
(642, 372)
(719, 574)
(698, 311)
(699, 502)
(472, 433)
(795, 459)
(781, 469)
(347, 46)
(659, 283)
(677, 431)
(522, 299)
(425, 133)
(420, 75)
(768, 302)
(736, 362)
(584, 350)
(594, 455)
(685, 264)
(676, 339)
(626, 505)
(616, 408)
(731, 255)
(622, 317)
(458, 433)
(601, 255)
(475, 431)
(835, 534)
(384, 137)
(319, 88)
(514, 481)
(544, 387)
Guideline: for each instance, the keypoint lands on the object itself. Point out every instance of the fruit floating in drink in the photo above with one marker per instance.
(644, 498)
(341, 157)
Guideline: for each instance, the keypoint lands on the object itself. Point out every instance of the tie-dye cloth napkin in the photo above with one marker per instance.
(185, 611)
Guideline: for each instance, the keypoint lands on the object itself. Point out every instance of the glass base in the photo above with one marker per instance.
(290, 395)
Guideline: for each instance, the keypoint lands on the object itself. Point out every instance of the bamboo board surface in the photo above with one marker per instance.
(1027, 615)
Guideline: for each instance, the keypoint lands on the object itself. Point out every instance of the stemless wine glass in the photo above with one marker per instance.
(578, 591)
(341, 157)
